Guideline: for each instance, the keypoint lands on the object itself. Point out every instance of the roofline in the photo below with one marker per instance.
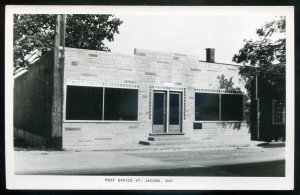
(163, 52)
(20, 73)
(41, 57)
(220, 63)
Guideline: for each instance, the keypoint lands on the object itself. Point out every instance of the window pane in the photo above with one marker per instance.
(278, 112)
(278, 106)
(278, 117)
(206, 106)
(231, 107)
(174, 111)
(159, 108)
(120, 104)
(84, 103)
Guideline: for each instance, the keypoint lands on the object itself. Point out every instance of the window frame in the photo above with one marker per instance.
(219, 105)
(220, 108)
(96, 102)
(103, 101)
(283, 113)
(104, 94)
(243, 107)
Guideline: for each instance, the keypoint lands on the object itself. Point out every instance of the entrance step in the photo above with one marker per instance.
(166, 140)
(169, 138)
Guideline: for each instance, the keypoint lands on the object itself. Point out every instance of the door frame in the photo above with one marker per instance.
(167, 101)
(165, 109)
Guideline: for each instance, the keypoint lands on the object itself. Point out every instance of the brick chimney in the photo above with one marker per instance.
(210, 55)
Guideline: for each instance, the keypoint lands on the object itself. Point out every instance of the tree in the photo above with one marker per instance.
(265, 57)
(34, 34)
(227, 84)
(264, 62)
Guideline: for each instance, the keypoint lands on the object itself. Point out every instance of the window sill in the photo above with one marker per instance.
(97, 121)
(158, 134)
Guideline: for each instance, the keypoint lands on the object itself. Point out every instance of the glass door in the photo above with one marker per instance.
(167, 112)
(174, 112)
(159, 112)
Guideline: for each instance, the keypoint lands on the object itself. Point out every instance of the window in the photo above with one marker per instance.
(120, 104)
(84, 103)
(98, 103)
(231, 107)
(218, 107)
(278, 112)
(206, 107)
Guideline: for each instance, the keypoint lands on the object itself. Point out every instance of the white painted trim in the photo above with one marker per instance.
(97, 83)
(219, 91)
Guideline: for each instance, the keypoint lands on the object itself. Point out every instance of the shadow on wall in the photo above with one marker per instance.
(233, 125)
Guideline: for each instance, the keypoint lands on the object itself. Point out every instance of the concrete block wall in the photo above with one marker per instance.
(143, 70)
(32, 101)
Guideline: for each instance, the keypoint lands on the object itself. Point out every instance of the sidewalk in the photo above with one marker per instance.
(189, 146)
(140, 158)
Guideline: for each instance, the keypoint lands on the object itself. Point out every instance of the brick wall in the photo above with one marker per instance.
(32, 99)
(145, 69)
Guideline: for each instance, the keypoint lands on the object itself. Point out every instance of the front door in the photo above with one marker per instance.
(159, 112)
(174, 112)
(167, 112)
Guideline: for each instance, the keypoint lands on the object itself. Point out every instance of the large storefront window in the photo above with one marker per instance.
(218, 107)
(120, 104)
(231, 107)
(88, 103)
(206, 107)
(84, 103)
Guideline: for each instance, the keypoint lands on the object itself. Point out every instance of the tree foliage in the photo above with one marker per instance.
(34, 34)
(266, 58)
(226, 84)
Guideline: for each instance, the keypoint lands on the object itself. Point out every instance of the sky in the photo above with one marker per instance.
(187, 34)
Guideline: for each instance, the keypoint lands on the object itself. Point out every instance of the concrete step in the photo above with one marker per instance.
(169, 143)
(168, 138)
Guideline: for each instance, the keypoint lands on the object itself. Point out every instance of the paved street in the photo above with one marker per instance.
(260, 169)
(244, 161)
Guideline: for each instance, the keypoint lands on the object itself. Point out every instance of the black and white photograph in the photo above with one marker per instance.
(149, 97)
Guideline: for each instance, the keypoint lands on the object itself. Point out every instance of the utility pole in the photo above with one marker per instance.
(58, 74)
(254, 109)
(257, 105)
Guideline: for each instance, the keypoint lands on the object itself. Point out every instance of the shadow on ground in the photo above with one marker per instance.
(261, 169)
(271, 145)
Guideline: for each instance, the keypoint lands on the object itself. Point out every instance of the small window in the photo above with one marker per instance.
(84, 103)
(278, 112)
(121, 104)
(206, 107)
